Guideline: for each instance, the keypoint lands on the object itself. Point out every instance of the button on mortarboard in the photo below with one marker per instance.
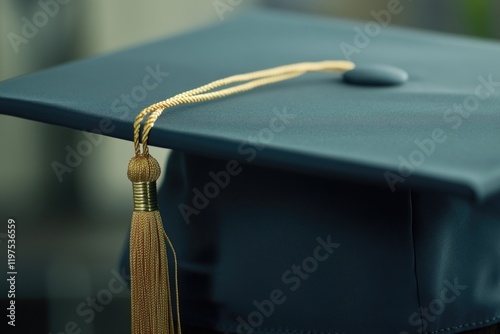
(376, 75)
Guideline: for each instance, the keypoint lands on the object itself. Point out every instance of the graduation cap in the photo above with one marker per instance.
(302, 195)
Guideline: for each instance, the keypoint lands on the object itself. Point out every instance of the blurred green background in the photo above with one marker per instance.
(70, 234)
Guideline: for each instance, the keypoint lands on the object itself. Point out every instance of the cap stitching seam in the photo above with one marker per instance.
(487, 321)
(280, 330)
(301, 331)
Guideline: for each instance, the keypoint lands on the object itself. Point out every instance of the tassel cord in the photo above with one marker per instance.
(256, 79)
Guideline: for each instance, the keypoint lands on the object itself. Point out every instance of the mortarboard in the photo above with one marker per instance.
(354, 203)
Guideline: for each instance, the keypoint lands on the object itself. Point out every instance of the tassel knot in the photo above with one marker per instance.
(143, 168)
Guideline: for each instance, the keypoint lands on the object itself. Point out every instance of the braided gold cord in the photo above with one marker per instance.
(256, 79)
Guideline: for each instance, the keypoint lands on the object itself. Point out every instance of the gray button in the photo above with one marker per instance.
(376, 75)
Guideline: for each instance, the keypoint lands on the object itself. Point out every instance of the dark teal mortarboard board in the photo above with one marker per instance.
(357, 202)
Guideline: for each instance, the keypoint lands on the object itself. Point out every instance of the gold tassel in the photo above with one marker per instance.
(150, 285)
(152, 311)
